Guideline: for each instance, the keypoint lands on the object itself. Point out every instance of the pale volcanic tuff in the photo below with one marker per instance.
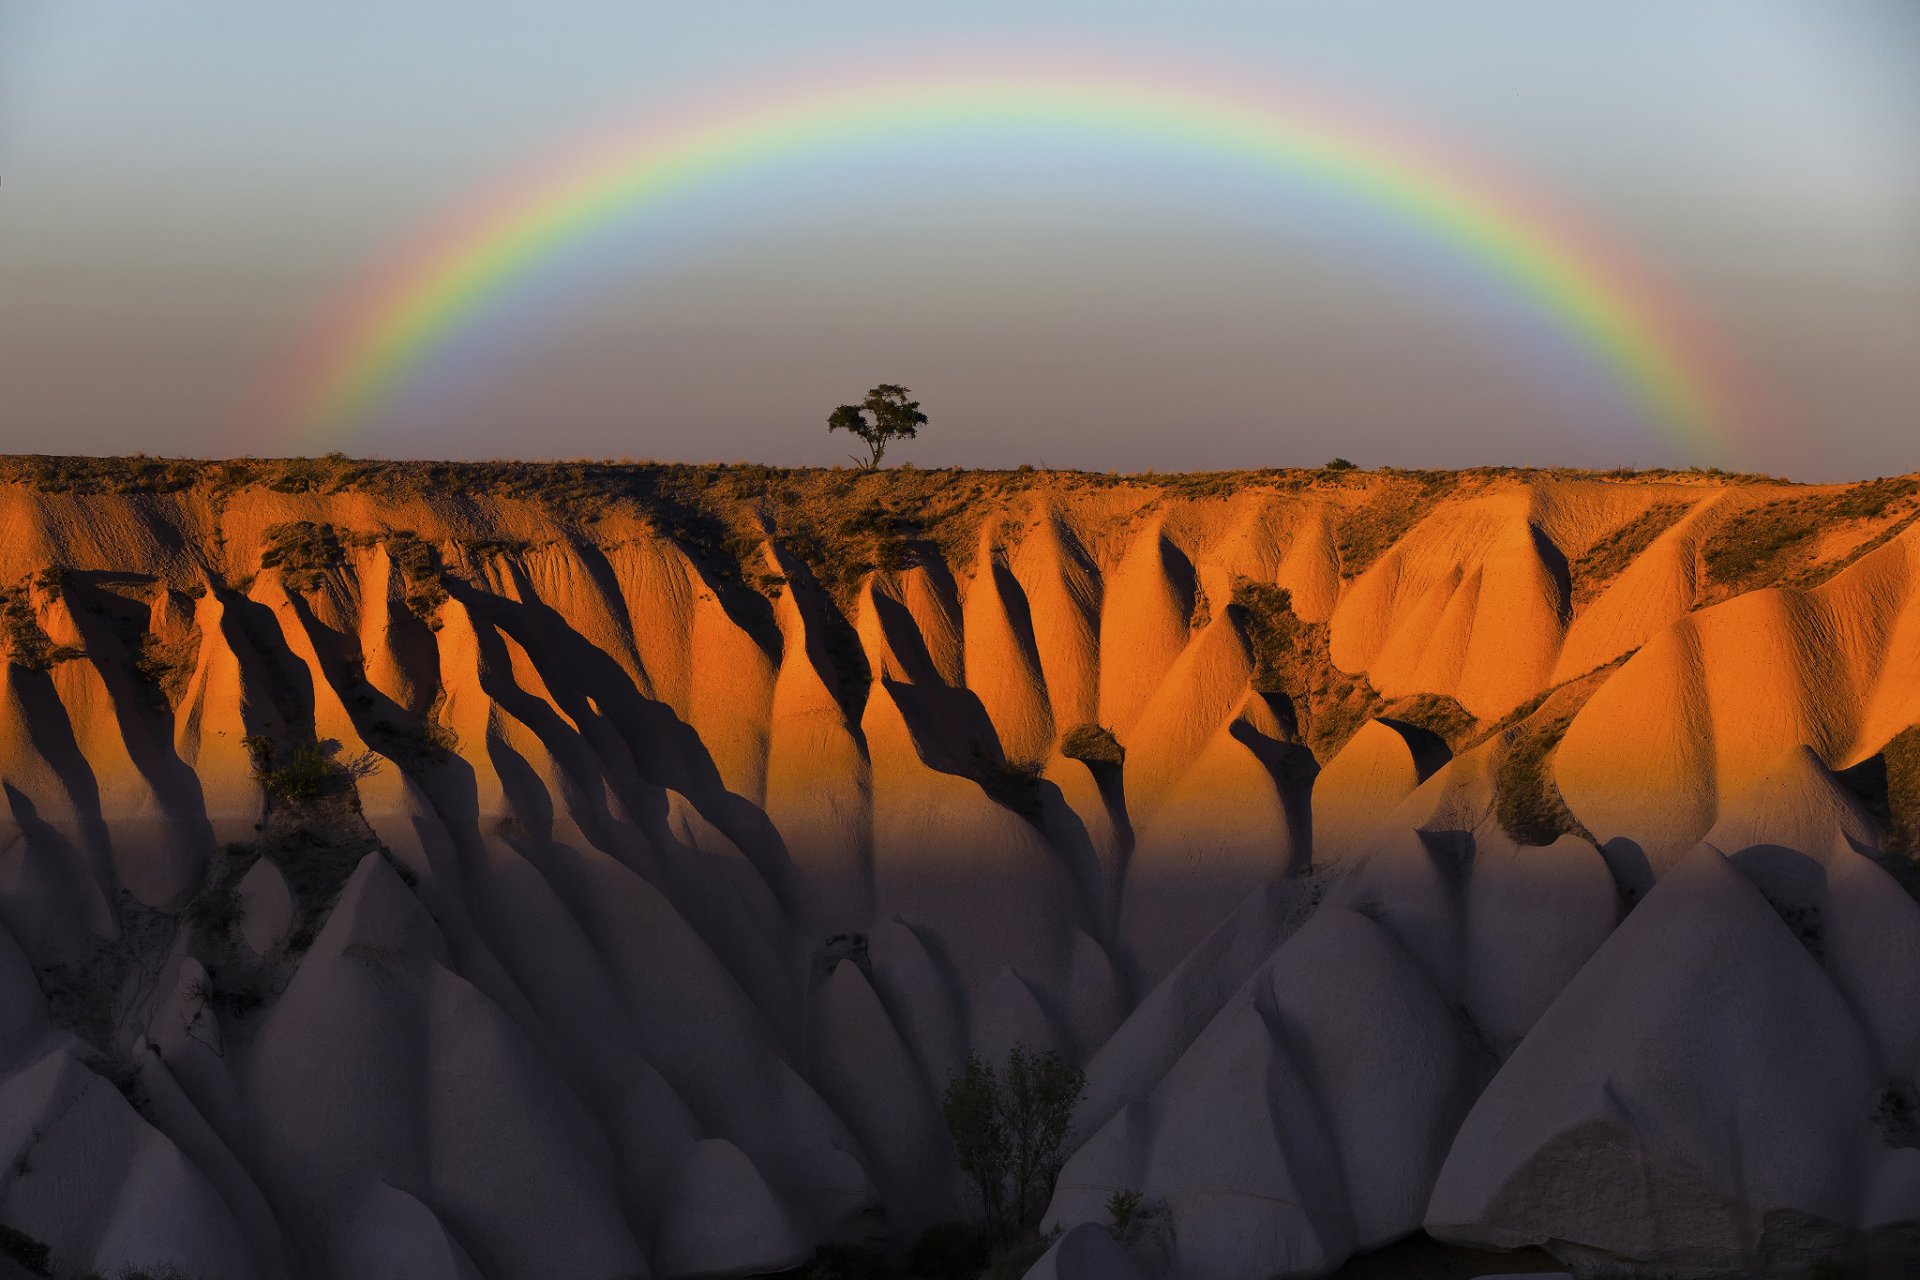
(1513, 855)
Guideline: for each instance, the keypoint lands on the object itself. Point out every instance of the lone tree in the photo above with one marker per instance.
(1010, 1129)
(894, 418)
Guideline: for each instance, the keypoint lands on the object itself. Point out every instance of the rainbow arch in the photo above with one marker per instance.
(380, 334)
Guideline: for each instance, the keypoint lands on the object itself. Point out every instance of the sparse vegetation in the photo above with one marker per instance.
(1902, 757)
(163, 666)
(1596, 567)
(414, 744)
(420, 569)
(1771, 543)
(304, 551)
(28, 646)
(849, 1262)
(1395, 504)
(1527, 802)
(1092, 744)
(949, 1251)
(306, 772)
(1009, 1128)
(1291, 659)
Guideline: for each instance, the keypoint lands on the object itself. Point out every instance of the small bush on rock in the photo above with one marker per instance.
(1092, 744)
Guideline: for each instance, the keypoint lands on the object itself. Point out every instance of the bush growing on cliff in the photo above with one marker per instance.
(304, 774)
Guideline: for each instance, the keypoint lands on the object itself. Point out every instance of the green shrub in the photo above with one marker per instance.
(305, 774)
(1123, 1212)
(1010, 1128)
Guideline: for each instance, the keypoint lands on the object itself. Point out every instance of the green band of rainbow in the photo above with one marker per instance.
(421, 301)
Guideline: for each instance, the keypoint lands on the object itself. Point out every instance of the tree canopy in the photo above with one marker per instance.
(1010, 1129)
(893, 417)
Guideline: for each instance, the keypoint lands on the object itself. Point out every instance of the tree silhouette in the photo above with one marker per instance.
(895, 417)
(1010, 1129)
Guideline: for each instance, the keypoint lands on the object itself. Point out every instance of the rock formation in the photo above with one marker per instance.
(507, 872)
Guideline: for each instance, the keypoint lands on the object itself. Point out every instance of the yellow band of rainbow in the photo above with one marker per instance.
(422, 299)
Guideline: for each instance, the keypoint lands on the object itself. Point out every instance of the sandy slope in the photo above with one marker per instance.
(686, 857)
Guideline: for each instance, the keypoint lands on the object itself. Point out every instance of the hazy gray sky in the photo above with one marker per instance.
(184, 189)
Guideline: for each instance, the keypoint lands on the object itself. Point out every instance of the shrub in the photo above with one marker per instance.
(1092, 744)
(1123, 1211)
(1339, 464)
(303, 551)
(27, 644)
(419, 563)
(414, 743)
(306, 773)
(1010, 1128)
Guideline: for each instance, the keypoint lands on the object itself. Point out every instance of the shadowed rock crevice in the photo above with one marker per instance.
(1406, 856)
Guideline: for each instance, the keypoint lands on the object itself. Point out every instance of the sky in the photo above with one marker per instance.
(188, 192)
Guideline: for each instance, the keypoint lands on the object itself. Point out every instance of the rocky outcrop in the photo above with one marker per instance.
(545, 877)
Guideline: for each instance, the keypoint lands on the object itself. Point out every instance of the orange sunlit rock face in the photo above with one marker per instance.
(614, 865)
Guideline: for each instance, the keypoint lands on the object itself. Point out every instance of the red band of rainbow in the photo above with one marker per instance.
(421, 300)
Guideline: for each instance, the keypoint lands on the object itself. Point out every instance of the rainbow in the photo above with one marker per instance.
(379, 336)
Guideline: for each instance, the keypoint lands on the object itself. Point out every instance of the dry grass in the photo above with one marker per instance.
(1772, 544)
(1437, 713)
(1596, 567)
(1527, 803)
(1902, 756)
(1394, 505)
(1291, 657)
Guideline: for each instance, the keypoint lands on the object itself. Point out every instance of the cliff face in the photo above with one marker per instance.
(497, 872)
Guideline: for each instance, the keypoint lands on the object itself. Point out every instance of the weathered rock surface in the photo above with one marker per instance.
(522, 877)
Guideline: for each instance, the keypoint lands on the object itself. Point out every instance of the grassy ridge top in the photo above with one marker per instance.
(845, 521)
(337, 473)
